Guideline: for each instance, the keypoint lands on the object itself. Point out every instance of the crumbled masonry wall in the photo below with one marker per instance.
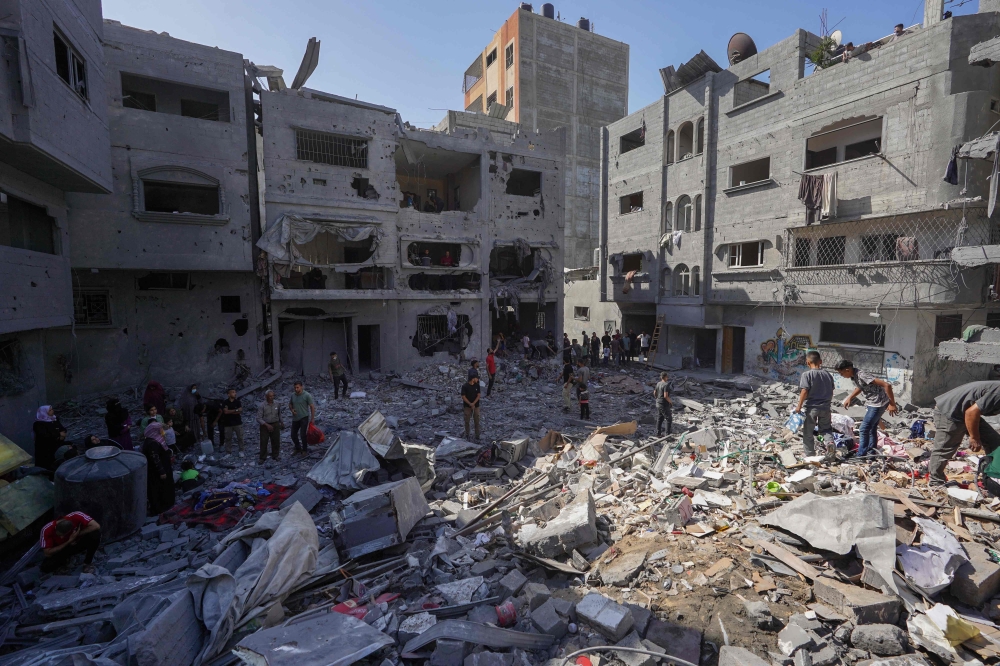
(166, 335)
(930, 100)
(496, 219)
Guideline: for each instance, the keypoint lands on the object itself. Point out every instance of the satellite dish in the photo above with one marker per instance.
(308, 66)
(837, 37)
(741, 47)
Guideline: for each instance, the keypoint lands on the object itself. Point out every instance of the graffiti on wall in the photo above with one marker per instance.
(783, 356)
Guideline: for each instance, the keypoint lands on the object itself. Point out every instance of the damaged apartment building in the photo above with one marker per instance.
(388, 244)
(795, 200)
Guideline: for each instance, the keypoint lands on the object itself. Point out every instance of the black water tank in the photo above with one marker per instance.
(549, 10)
(526, 6)
(583, 24)
(107, 484)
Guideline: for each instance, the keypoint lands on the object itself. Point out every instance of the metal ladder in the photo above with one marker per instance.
(655, 341)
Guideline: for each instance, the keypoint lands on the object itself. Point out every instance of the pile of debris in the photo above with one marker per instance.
(399, 540)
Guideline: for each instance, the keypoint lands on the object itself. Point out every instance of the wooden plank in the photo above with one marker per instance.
(908, 504)
(789, 558)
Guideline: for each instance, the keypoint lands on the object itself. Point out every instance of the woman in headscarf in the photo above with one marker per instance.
(49, 436)
(159, 474)
(119, 424)
(155, 395)
(192, 410)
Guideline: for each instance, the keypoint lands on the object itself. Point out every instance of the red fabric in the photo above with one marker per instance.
(314, 435)
(49, 537)
(227, 518)
(491, 365)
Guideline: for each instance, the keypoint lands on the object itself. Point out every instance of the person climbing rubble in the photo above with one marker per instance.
(960, 412)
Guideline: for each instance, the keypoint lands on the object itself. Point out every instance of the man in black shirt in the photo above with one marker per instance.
(232, 419)
(567, 380)
(960, 411)
(470, 404)
(595, 350)
(213, 418)
(606, 340)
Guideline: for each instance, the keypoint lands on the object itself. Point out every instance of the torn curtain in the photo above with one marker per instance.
(280, 239)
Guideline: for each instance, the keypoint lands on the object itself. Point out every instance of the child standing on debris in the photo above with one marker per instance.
(583, 396)
(817, 392)
(664, 405)
(878, 399)
(567, 378)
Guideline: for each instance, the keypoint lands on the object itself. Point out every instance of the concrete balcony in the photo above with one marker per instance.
(640, 290)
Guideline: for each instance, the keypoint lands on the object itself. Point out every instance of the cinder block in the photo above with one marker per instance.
(976, 581)
(605, 615)
(511, 584)
(548, 621)
(858, 604)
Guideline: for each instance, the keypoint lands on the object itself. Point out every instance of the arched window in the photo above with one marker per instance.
(700, 140)
(696, 281)
(665, 280)
(685, 141)
(697, 213)
(670, 147)
(685, 214)
(682, 281)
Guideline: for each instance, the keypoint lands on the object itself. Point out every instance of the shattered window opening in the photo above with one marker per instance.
(491, 57)
(92, 307)
(324, 148)
(509, 101)
(369, 277)
(844, 140)
(630, 203)
(524, 183)
(164, 197)
(433, 335)
(230, 304)
(508, 56)
(629, 142)
(869, 335)
(750, 172)
(172, 98)
(26, 226)
(467, 281)
(491, 100)
(504, 263)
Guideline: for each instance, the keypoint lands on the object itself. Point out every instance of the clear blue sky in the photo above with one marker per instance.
(411, 55)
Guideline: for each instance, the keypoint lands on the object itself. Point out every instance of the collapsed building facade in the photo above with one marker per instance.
(387, 243)
(703, 225)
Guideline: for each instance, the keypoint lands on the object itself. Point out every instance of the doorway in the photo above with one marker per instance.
(306, 344)
(733, 349)
(369, 357)
(704, 347)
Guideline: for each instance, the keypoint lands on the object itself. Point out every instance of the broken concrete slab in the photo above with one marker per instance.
(902, 660)
(605, 615)
(632, 640)
(793, 638)
(511, 584)
(574, 527)
(858, 604)
(884, 640)
(307, 495)
(487, 658)
(977, 580)
(623, 568)
(460, 591)
(449, 652)
(416, 624)
(737, 656)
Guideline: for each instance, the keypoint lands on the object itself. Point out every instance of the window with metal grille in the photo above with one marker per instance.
(432, 332)
(508, 56)
(869, 335)
(491, 100)
(947, 327)
(881, 247)
(312, 146)
(581, 313)
(746, 255)
(92, 307)
(509, 101)
(539, 320)
(803, 250)
(491, 57)
(830, 251)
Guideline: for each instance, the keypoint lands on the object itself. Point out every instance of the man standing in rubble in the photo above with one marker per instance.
(644, 341)
(817, 392)
(491, 370)
(584, 354)
(960, 411)
(470, 403)
(595, 350)
(303, 412)
(664, 405)
(338, 375)
(567, 380)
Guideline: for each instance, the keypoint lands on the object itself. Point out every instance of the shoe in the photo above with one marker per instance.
(261, 461)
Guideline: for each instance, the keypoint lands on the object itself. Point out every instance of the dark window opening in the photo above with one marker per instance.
(491, 100)
(434, 282)
(524, 183)
(433, 334)
(821, 158)
(947, 327)
(70, 65)
(861, 149)
(156, 281)
(26, 226)
(161, 197)
(327, 148)
(230, 304)
(92, 307)
(869, 335)
(803, 250)
(491, 57)
(632, 140)
(445, 255)
(993, 319)
(685, 141)
(878, 248)
(507, 262)
(508, 56)
(846, 139)
(369, 277)
(134, 99)
(750, 172)
(631, 262)
(62, 57)
(176, 99)
(360, 185)
(830, 251)
(630, 203)
(755, 87)
(202, 110)
(330, 250)
(581, 313)
(746, 255)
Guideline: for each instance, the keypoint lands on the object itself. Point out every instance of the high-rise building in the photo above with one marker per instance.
(553, 74)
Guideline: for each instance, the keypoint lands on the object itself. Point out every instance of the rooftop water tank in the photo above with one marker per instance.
(549, 10)
(583, 24)
(526, 6)
(107, 484)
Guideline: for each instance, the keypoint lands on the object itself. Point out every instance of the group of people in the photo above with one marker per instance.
(610, 349)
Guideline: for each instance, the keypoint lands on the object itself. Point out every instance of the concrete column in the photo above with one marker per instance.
(933, 10)
(603, 212)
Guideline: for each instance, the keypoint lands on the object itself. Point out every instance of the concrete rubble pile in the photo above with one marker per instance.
(720, 543)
